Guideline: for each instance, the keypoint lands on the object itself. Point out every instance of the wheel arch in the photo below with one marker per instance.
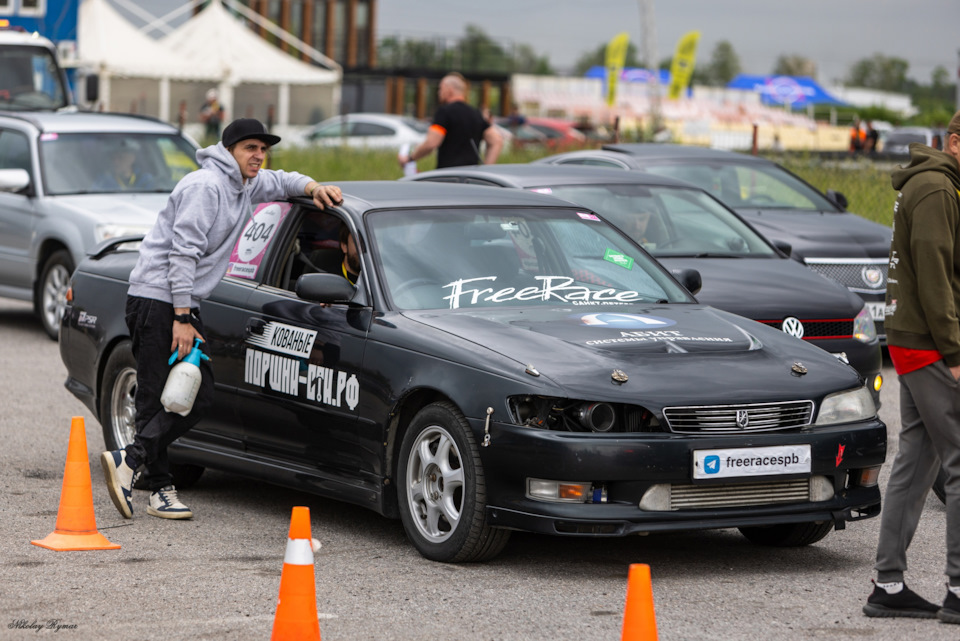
(47, 248)
(403, 412)
(102, 368)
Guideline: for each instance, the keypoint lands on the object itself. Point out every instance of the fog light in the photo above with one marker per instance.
(877, 382)
(868, 476)
(821, 488)
(559, 491)
(599, 417)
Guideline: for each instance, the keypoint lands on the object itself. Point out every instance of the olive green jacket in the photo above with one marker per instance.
(923, 287)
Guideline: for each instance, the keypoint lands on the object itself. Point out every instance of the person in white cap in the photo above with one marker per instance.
(182, 259)
(212, 115)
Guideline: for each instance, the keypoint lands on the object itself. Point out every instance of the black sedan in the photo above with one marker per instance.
(506, 361)
(822, 234)
(686, 228)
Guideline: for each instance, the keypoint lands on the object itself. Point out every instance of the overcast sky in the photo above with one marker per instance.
(832, 33)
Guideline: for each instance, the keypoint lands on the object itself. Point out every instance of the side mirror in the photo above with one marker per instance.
(689, 278)
(325, 288)
(14, 180)
(783, 246)
(838, 199)
(91, 89)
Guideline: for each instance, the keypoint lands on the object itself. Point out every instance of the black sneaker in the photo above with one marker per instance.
(905, 603)
(950, 612)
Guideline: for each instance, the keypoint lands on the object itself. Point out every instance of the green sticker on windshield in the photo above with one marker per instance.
(617, 258)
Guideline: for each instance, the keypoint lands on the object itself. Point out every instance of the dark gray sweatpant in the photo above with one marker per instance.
(929, 438)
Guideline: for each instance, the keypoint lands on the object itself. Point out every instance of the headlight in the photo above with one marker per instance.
(863, 328)
(108, 231)
(847, 407)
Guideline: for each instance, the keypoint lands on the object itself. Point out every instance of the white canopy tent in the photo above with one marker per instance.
(108, 45)
(212, 49)
(252, 70)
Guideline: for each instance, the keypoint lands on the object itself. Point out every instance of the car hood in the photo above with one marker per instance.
(657, 346)
(131, 209)
(827, 235)
(768, 288)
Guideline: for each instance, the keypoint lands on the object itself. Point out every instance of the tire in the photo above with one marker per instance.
(52, 291)
(442, 491)
(118, 411)
(788, 535)
(938, 485)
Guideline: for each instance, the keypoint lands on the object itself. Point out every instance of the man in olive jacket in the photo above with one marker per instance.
(922, 319)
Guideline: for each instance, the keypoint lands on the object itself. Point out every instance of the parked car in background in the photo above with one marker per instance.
(897, 141)
(685, 228)
(60, 194)
(552, 133)
(506, 361)
(368, 130)
(816, 227)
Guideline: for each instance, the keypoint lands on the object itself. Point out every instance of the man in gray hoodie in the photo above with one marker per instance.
(923, 337)
(182, 259)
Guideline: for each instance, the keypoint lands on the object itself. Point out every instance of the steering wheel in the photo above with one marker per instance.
(412, 283)
(759, 199)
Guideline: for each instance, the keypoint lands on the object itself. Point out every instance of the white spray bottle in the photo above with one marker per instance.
(183, 381)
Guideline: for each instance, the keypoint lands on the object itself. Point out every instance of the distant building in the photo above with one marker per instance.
(343, 30)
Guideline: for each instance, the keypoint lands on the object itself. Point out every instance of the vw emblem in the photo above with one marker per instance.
(743, 419)
(872, 276)
(792, 326)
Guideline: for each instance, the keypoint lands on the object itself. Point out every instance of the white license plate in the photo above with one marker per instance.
(751, 461)
(876, 310)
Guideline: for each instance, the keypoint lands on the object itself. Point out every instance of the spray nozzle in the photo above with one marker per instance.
(193, 357)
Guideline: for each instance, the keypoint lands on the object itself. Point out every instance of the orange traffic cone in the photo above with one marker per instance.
(639, 621)
(296, 617)
(76, 527)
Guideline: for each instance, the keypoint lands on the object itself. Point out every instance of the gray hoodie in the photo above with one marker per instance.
(187, 251)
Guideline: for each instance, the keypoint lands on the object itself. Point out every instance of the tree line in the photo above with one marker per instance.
(476, 51)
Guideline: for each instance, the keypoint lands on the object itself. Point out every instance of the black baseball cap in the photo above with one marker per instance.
(245, 129)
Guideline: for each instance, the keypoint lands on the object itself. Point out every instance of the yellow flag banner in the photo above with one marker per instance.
(616, 56)
(683, 61)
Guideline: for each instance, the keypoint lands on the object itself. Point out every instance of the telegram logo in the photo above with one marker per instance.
(711, 464)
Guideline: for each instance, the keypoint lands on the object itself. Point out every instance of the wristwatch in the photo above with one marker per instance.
(182, 318)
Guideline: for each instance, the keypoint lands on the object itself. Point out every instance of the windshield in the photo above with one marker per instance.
(669, 221)
(905, 137)
(98, 163)
(748, 186)
(30, 79)
(468, 258)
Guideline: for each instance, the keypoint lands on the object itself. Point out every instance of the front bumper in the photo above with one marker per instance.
(627, 465)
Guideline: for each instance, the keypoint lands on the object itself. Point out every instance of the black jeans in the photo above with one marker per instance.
(151, 329)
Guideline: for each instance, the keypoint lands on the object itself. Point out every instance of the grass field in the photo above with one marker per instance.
(865, 184)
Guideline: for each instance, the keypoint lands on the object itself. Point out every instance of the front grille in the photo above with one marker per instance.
(755, 417)
(698, 497)
(850, 272)
(820, 329)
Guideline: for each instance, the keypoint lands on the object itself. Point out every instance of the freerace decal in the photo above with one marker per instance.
(254, 239)
(562, 289)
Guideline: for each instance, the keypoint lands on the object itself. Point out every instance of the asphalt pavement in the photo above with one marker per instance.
(218, 575)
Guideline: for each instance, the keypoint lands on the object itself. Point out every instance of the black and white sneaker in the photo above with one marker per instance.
(165, 504)
(950, 612)
(119, 477)
(905, 603)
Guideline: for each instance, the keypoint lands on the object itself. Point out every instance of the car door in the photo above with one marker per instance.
(302, 361)
(17, 217)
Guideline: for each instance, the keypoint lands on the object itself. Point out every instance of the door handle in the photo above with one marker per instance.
(255, 326)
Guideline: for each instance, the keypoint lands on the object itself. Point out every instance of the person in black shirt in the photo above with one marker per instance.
(457, 130)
